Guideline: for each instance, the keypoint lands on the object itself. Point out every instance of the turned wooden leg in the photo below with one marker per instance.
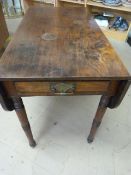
(21, 113)
(98, 117)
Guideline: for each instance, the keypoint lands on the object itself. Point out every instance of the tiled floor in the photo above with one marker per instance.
(60, 126)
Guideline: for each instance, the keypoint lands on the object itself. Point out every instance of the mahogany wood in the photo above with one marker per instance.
(21, 113)
(24, 88)
(77, 60)
(81, 51)
(98, 118)
(5, 101)
(119, 95)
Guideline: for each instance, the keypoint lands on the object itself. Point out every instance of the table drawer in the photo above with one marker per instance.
(61, 88)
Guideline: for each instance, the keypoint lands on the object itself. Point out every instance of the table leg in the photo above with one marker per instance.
(21, 113)
(98, 117)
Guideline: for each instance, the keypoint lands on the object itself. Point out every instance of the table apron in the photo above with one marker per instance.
(61, 88)
(115, 89)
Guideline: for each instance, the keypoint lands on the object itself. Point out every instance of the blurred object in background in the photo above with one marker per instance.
(12, 8)
(119, 23)
(129, 41)
(127, 3)
(3, 30)
(27, 4)
(112, 3)
(103, 19)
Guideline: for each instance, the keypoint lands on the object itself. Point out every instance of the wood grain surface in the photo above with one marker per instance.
(42, 88)
(79, 52)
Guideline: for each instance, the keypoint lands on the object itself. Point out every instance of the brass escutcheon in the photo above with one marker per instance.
(49, 36)
(63, 88)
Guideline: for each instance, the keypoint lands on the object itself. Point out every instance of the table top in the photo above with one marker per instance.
(60, 43)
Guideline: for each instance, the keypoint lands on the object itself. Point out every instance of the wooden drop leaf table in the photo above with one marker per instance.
(58, 52)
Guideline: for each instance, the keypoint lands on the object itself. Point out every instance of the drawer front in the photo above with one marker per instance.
(61, 88)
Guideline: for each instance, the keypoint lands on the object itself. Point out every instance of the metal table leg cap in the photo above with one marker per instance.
(89, 140)
(33, 144)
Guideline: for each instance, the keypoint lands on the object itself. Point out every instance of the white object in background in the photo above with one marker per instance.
(102, 23)
(45, 1)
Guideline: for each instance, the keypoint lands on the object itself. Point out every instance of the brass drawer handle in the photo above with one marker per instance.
(63, 88)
